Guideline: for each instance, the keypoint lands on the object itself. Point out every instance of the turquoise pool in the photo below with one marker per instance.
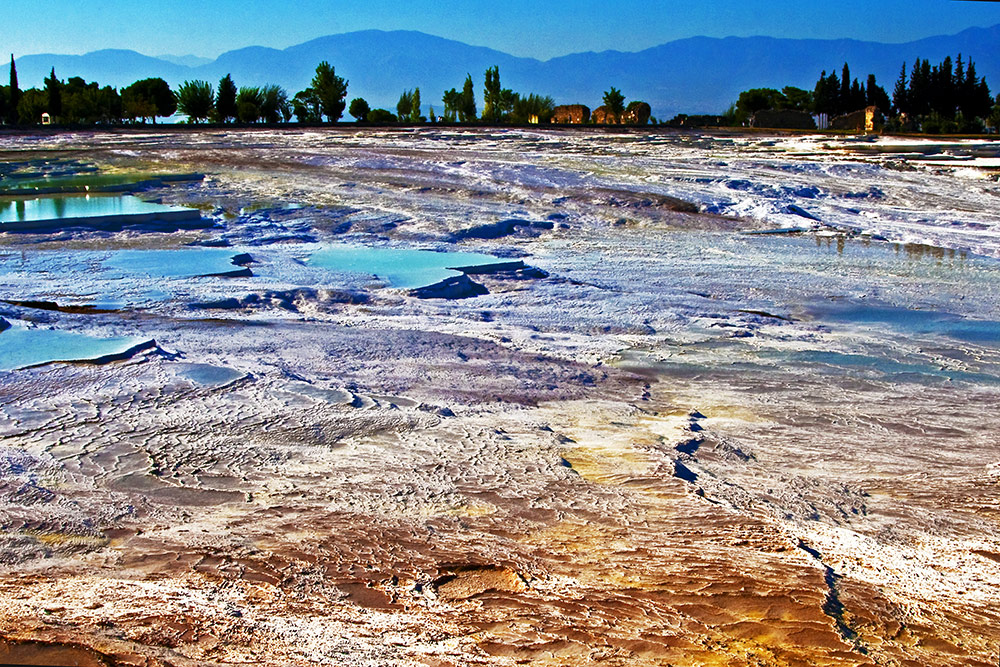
(398, 267)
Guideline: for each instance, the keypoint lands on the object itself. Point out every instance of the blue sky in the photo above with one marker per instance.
(536, 28)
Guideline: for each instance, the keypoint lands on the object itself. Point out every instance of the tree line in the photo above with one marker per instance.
(948, 97)
(500, 105)
(78, 102)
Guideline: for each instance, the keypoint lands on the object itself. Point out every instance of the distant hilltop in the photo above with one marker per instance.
(696, 75)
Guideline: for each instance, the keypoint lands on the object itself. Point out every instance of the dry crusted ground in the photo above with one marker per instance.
(418, 483)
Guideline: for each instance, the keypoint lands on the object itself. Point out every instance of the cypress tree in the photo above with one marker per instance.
(857, 96)
(467, 112)
(899, 100)
(15, 93)
(978, 104)
(920, 88)
(845, 100)
(53, 88)
(944, 89)
(225, 100)
(958, 84)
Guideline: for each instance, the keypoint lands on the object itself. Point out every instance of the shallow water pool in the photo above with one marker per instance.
(67, 208)
(398, 267)
(22, 347)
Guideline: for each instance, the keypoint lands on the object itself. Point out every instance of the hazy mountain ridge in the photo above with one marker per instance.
(186, 61)
(696, 74)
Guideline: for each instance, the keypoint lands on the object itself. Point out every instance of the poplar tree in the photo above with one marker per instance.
(415, 106)
(15, 93)
(491, 95)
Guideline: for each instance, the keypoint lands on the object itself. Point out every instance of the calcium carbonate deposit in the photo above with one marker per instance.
(483, 397)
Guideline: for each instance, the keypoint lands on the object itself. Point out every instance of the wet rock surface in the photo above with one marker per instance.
(584, 465)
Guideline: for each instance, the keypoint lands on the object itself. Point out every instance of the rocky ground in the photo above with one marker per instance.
(673, 444)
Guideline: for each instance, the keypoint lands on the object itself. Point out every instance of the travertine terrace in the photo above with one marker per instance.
(668, 439)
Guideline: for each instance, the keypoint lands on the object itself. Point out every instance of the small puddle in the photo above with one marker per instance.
(210, 376)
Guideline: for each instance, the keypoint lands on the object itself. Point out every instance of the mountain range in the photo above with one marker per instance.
(695, 75)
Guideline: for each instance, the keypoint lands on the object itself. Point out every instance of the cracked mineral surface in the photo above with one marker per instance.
(699, 400)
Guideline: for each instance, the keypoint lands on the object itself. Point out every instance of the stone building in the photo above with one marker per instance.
(869, 119)
(602, 116)
(571, 114)
(637, 113)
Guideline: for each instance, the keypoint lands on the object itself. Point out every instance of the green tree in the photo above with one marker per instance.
(3, 104)
(467, 110)
(844, 98)
(85, 103)
(491, 95)
(195, 99)
(415, 106)
(532, 107)
(306, 106)
(919, 92)
(249, 101)
(796, 99)
(405, 105)
(13, 94)
(875, 95)
(976, 99)
(331, 90)
(452, 104)
(225, 100)
(381, 116)
(899, 100)
(757, 99)
(53, 89)
(274, 105)
(149, 98)
(614, 102)
(31, 105)
(359, 109)
(826, 94)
